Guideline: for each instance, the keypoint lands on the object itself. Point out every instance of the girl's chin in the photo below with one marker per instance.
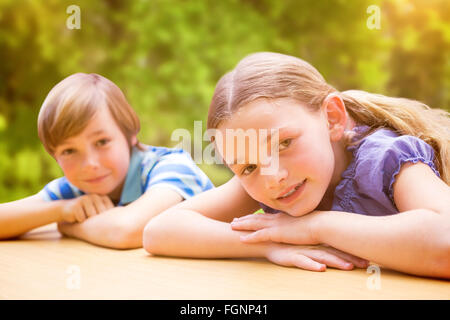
(299, 210)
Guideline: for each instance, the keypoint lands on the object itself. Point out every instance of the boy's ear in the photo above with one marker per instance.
(336, 115)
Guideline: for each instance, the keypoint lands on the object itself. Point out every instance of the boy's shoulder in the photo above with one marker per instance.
(153, 154)
(59, 189)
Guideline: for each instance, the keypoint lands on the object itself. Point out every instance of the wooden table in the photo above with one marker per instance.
(43, 265)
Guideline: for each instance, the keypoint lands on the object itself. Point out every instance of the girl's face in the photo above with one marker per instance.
(299, 180)
(97, 159)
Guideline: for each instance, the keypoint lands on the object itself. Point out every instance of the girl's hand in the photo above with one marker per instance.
(81, 208)
(314, 258)
(278, 227)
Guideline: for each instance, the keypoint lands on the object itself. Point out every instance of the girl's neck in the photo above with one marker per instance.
(343, 158)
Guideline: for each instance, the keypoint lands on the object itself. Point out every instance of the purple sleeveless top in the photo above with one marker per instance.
(366, 186)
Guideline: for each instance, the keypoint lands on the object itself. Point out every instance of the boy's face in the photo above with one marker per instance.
(97, 159)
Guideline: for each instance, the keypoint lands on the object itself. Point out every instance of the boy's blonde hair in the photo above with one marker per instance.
(272, 75)
(70, 105)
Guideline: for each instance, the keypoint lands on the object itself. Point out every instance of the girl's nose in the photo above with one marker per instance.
(276, 179)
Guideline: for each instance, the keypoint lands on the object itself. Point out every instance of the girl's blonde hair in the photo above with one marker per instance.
(70, 105)
(273, 75)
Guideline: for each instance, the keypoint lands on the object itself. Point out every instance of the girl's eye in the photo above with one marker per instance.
(285, 143)
(249, 169)
(102, 142)
(67, 152)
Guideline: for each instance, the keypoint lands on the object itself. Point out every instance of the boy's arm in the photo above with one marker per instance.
(18, 217)
(121, 227)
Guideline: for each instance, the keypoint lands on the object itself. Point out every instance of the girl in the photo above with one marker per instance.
(87, 125)
(358, 177)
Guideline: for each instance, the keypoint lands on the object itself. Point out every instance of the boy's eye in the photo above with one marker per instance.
(102, 142)
(249, 169)
(285, 143)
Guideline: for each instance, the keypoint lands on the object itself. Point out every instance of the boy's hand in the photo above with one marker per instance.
(313, 258)
(81, 208)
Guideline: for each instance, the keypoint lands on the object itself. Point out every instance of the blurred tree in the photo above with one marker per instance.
(168, 55)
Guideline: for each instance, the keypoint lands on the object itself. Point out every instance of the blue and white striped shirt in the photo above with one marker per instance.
(155, 167)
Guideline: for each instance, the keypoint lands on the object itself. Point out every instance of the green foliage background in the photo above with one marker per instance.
(168, 55)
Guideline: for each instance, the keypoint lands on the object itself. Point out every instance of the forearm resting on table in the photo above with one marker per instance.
(112, 229)
(186, 233)
(415, 241)
(21, 216)
(122, 227)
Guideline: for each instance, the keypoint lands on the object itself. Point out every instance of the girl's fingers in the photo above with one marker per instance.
(300, 261)
(259, 236)
(358, 262)
(249, 225)
(254, 223)
(329, 259)
(304, 262)
(261, 216)
(268, 234)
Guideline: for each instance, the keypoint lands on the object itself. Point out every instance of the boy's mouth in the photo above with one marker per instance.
(96, 179)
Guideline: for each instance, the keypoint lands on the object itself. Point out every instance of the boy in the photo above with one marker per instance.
(112, 185)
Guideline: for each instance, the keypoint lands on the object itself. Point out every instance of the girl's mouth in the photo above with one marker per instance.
(293, 193)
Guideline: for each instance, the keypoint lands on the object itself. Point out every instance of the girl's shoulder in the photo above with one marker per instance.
(378, 157)
(385, 147)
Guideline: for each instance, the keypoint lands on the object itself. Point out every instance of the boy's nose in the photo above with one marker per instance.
(91, 160)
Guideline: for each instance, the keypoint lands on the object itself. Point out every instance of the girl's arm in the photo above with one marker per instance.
(199, 228)
(415, 241)
(21, 216)
(122, 227)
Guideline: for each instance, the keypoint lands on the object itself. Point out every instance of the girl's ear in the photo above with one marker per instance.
(133, 140)
(336, 115)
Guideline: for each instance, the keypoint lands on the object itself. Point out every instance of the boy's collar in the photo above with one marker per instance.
(132, 189)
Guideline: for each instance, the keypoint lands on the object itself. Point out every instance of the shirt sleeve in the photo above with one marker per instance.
(178, 172)
(381, 159)
(60, 189)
